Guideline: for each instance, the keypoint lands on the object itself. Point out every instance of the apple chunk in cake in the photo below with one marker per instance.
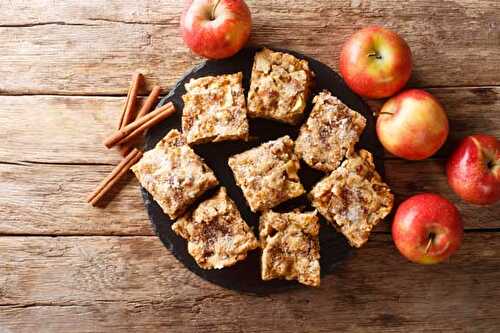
(267, 174)
(353, 198)
(279, 87)
(330, 133)
(217, 235)
(173, 174)
(290, 246)
(214, 109)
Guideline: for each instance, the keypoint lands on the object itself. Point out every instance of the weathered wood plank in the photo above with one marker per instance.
(50, 199)
(469, 110)
(45, 44)
(63, 129)
(112, 284)
(407, 178)
(58, 129)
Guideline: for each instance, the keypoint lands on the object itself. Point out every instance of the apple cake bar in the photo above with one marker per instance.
(267, 174)
(215, 109)
(330, 133)
(173, 174)
(353, 198)
(217, 236)
(280, 87)
(290, 246)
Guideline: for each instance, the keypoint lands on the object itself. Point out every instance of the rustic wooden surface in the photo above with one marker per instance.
(65, 266)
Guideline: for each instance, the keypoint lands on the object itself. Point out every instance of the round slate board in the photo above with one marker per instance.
(245, 275)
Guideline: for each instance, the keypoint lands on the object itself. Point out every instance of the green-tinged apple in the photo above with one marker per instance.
(427, 229)
(216, 29)
(375, 62)
(473, 169)
(412, 125)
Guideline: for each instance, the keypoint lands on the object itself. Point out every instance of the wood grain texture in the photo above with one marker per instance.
(50, 199)
(46, 43)
(72, 129)
(55, 157)
(102, 270)
(469, 110)
(112, 284)
(58, 129)
(407, 178)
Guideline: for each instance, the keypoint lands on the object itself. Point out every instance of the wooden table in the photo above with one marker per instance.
(68, 267)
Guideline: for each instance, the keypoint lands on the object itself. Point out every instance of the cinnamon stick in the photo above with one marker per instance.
(150, 102)
(122, 117)
(146, 107)
(129, 109)
(118, 172)
(131, 103)
(167, 112)
(137, 127)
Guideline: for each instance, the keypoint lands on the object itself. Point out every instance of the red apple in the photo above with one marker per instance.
(427, 228)
(474, 169)
(216, 29)
(412, 125)
(375, 62)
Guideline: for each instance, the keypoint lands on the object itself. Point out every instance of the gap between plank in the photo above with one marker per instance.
(30, 25)
(104, 94)
(69, 235)
(25, 162)
(28, 163)
(92, 19)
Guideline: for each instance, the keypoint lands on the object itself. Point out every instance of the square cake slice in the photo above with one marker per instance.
(267, 174)
(290, 246)
(353, 198)
(217, 235)
(330, 133)
(215, 109)
(279, 87)
(173, 174)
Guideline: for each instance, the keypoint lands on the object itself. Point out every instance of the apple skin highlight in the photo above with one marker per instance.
(375, 62)
(412, 125)
(427, 229)
(473, 169)
(216, 29)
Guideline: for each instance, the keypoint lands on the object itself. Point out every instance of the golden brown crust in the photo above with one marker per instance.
(330, 133)
(215, 109)
(280, 87)
(267, 174)
(290, 247)
(217, 235)
(173, 174)
(353, 198)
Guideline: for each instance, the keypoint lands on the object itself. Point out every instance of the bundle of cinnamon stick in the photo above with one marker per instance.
(131, 126)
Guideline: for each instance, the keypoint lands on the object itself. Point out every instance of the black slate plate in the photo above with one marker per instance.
(245, 276)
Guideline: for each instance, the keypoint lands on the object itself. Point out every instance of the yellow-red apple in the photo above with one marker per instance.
(216, 29)
(427, 228)
(473, 169)
(375, 62)
(412, 125)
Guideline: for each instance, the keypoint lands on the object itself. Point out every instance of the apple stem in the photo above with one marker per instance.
(376, 114)
(429, 243)
(375, 54)
(213, 10)
(491, 162)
